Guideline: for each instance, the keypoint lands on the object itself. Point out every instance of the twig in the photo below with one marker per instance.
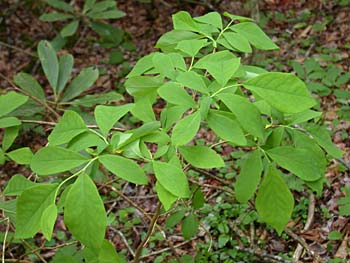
(148, 234)
(166, 249)
(131, 251)
(4, 241)
(310, 218)
(263, 255)
(49, 248)
(17, 49)
(209, 174)
(212, 186)
(33, 251)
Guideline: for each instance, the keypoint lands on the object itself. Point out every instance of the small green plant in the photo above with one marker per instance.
(198, 72)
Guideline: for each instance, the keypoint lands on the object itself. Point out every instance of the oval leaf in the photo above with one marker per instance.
(186, 129)
(49, 62)
(201, 157)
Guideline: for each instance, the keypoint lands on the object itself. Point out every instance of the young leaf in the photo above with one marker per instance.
(164, 65)
(201, 157)
(21, 156)
(51, 160)
(249, 177)
(191, 47)
(84, 212)
(212, 18)
(86, 140)
(298, 161)
(174, 218)
(226, 128)
(143, 65)
(183, 21)
(29, 84)
(92, 100)
(60, 5)
(69, 126)
(166, 198)
(283, 91)
(143, 109)
(186, 129)
(171, 114)
(54, 16)
(171, 178)
(107, 116)
(193, 81)
(11, 101)
(81, 83)
(237, 41)
(198, 199)
(274, 201)
(142, 85)
(174, 93)
(246, 113)
(49, 62)
(65, 69)
(31, 205)
(17, 185)
(10, 135)
(70, 29)
(48, 220)
(169, 41)
(255, 35)
(189, 226)
(9, 122)
(124, 168)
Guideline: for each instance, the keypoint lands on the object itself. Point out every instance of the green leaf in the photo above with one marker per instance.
(70, 29)
(198, 199)
(86, 140)
(10, 135)
(171, 114)
(164, 65)
(239, 18)
(104, 98)
(191, 47)
(166, 198)
(81, 83)
(49, 62)
(31, 205)
(175, 218)
(65, 69)
(335, 235)
(60, 5)
(237, 41)
(108, 254)
(21, 155)
(69, 126)
(9, 122)
(246, 113)
(103, 5)
(201, 157)
(124, 168)
(186, 129)
(52, 160)
(193, 81)
(142, 85)
(298, 161)
(9, 209)
(48, 220)
(29, 84)
(183, 21)
(17, 185)
(143, 65)
(212, 18)
(322, 137)
(53, 17)
(249, 177)
(109, 14)
(226, 128)
(189, 226)
(174, 93)
(169, 40)
(274, 201)
(143, 109)
(11, 101)
(255, 35)
(108, 32)
(303, 116)
(171, 178)
(107, 116)
(84, 212)
(283, 91)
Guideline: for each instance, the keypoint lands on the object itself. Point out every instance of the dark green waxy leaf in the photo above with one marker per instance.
(255, 35)
(29, 84)
(246, 113)
(65, 69)
(212, 18)
(183, 21)
(116, 57)
(9, 137)
(52, 160)
(174, 218)
(198, 199)
(249, 177)
(107, 116)
(283, 91)
(110, 14)
(186, 129)
(21, 155)
(9, 122)
(189, 226)
(142, 85)
(31, 205)
(124, 168)
(171, 178)
(102, 5)
(49, 62)
(108, 32)
(104, 98)
(11, 101)
(70, 29)
(298, 161)
(322, 137)
(237, 41)
(53, 17)
(84, 212)
(69, 126)
(193, 81)
(201, 157)
(274, 201)
(191, 47)
(81, 83)
(164, 65)
(2, 157)
(166, 198)
(174, 93)
(169, 41)
(60, 5)
(226, 128)
(17, 185)
(48, 220)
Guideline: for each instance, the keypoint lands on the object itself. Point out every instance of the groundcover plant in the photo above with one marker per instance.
(199, 74)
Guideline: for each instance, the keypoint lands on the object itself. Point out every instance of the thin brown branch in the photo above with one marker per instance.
(263, 255)
(4, 241)
(32, 250)
(17, 49)
(212, 186)
(155, 253)
(131, 251)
